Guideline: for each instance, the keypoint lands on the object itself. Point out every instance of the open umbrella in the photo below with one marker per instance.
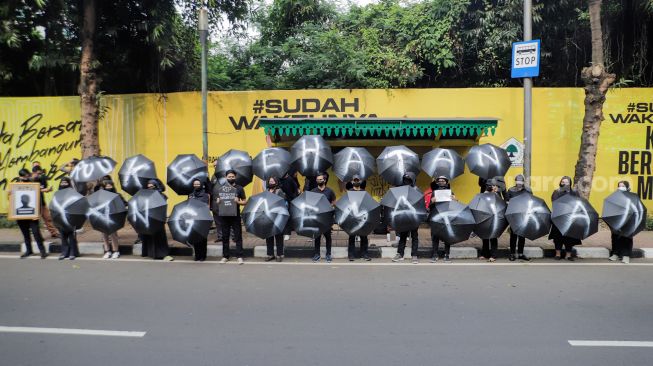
(311, 155)
(403, 208)
(443, 162)
(574, 216)
(135, 172)
(624, 213)
(488, 161)
(271, 162)
(357, 213)
(237, 160)
(452, 221)
(107, 211)
(395, 161)
(92, 169)
(489, 211)
(183, 170)
(68, 209)
(528, 216)
(311, 214)
(352, 161)
(147, 211)
(190, 221)
(265, 215)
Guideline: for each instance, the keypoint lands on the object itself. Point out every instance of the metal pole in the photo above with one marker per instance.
(204, 33)
(528, 86)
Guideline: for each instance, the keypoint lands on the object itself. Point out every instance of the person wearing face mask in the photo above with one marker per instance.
(111, 244)
(38, 175)
(516, 240)
(321, 181)
(272, 186)
(622, 247)
(27, 225)
(230, 223)
(357, 185)
(290, 187)
(440, 183)
(560, 240)
(156, 246)
(490, 246)
(199, 193)
(69, 248)
(407, 180)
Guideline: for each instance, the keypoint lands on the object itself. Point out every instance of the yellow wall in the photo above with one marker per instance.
(162, 126)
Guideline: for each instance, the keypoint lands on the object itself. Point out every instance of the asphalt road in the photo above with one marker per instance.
(289, 314)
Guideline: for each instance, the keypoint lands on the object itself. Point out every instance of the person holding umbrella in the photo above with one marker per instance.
(408, 179)
(560, 240)
(111, 244)
(440, 183)
(156, 245)
(69, 248)
(231, 194)
(321, 181)
(272, 186)
(29, 225)
(357, 186)
(622, 246)
(199, 193)
(516, 241)
(290, 187)
(490, 246)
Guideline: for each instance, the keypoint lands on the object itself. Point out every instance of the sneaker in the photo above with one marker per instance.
(44, 255)
(398, 258)
(279, 258)
(316, 258)
(366, 257)
(415, 261)
(269, 258)
(62, 257)
(446, 258)
(168, 258)
(512, 257)
(614, 258)
(26, 254)
(328, 258)
(570, 258)
(240, 261)
(224, 260)
(434, 259)
(351, 258)
(524, 258)
(625, 260)
(286, 237)
(106, 255)
(115, 255)
(72, 257)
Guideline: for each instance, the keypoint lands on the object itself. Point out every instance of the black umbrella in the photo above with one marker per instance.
(69, 209)
(190, 221)
(395, 161)
(489, 211)
(352, 161)
(147, 211)
(92, 169)
(135, 172)
(488, 161)
(452, 221)
(107, 211)
(265, 215)
(271, 162)
(183, 170)
(357, 213)
(443, 162)
(624, 213)
(404, 208)
(311, 155)
(237, 160)
(528, 216)
(311, 214)
(574, 216)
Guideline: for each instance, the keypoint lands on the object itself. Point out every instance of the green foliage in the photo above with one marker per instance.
(649, 223)
(7, 224)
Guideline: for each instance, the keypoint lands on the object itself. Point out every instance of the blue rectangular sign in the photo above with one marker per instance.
(525, 59)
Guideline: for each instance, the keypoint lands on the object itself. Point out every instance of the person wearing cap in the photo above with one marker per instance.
(440, 183)
(490, 246)
(321, 180)
(407, 180)
(356, 186)
(622, 247)
(69, 248)
(27, 225)
(516, 241)
(560, 240)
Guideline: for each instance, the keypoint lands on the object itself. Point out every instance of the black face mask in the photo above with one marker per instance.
(198, 189)
(321, 184)
(272, 186)
(64, 186)
(407, 182)
(231, 181)
(356, 184)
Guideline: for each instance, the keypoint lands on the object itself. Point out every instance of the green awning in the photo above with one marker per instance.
(462, 128)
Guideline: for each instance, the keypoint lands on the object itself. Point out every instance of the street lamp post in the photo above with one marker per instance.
(203, 27)
(528, 100)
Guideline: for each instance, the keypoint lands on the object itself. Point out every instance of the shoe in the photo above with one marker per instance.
(44, 255)
(614, 258)
(269, 258)
(279, 258)
(571, 259)
(26, 254)
(106, 255)
(72, 257)
(62, 257)
(79, 231)
(328, 258)
(366, 257)
(168, 258)
(240, 261)
(625, 260)
(511, 257)
(115, 255)
(398, 258)
(434, 259)
(351, 258)
(492, 260)
(524, 258)
(286, 237)
(415, 261)
(446, 258)
(316, 258)
(224, 260)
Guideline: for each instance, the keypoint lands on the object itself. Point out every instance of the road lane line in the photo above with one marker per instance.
(71, 331)
(610, 344)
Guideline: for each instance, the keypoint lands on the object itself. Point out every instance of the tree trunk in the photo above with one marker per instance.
(88, 84)
(597, 82)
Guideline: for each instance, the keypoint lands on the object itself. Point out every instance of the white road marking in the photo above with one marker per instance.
(610, 344)
(70, 331)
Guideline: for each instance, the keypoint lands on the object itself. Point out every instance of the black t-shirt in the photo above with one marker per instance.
(42, 180)
(328, 192)
(240, 193)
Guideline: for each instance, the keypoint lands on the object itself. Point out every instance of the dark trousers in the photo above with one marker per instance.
(230, 223)
(517, 241)
(269, 242)
(31, 225)
(559, 243)
(490, 247)
(327, 239)
(403, 236)
(200, 250)
(69, 244)
(622, 246)
(351, 245)
(435, 240)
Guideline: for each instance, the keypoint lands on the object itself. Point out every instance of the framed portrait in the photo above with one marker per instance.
(24, 201)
